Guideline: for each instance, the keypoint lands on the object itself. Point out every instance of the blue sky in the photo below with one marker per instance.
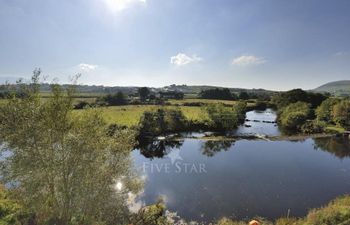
(272, 44)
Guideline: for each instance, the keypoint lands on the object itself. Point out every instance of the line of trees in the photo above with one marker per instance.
(226, 94)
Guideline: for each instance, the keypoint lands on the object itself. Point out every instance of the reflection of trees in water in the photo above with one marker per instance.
(339, 146)
(210, 148)
(159, 148)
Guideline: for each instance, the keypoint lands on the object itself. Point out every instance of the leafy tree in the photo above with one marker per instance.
(144, 93)
(113, 99)
(298, 95)
(341, 113)
(162, 121)
(325, 110)
(223, 94)
(243, 95)
(64, 163)
(226, 118)
(294, 115)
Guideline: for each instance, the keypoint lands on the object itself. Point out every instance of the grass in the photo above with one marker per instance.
(204, 101)
(337, 212)
(334, 129)
(130, 115)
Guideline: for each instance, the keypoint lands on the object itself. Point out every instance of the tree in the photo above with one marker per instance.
(325, 110)
(144, 93)
(298, 95)
(64, 165)
(243, 95)
(223, 94)
(294, 115)
(226, 118)
(341, 113)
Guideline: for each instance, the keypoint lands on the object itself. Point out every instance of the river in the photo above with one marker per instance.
(206, 180)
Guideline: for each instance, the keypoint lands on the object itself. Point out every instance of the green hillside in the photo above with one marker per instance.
(338, 88)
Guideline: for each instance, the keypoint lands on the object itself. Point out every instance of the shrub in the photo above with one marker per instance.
(294, 115)
(341, 113)
(226, 118)
(325, 110)
(313, 126)
(337, 212)
(162, 121)
(82, 105)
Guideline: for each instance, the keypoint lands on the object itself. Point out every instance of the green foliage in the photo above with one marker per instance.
(226, 118)
(325, 111)
(151, 215)
(11, 212)
(112, 99)
(162, 121)
(335, 213)
(144, 92)
(341, 113)
(297, 95)
(313, 126)
(293, 116)
(65, 163)
(216, 93)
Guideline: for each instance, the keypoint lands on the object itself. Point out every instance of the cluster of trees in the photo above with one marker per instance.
(309, 112)
(335, 111)
(283, 99)
(294, 115)
(223, 94)
(224, 118)
(112, 99)
(162, 121)
(226, 94)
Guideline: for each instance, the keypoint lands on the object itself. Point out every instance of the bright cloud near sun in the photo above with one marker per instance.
(182, 59)
(87, 67)
(248, 60)
(120, 5)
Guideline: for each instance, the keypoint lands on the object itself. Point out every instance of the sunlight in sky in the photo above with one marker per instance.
(119, 5)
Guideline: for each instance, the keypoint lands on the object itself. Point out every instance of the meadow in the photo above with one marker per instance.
(130, 115)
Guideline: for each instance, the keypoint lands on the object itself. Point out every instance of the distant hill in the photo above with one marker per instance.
(186, 89)
(339, 88)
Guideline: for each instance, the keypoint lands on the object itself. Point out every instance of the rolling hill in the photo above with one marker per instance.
(339, 88)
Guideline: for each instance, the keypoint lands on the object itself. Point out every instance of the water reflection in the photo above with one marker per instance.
(338, 146)
(210, 148)
(158, 148)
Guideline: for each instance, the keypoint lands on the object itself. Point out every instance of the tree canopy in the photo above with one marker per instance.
(64, 166)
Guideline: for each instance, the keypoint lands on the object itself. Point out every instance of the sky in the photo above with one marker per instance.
(271, 44)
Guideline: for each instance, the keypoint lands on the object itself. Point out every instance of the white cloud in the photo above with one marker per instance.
(182, 59)
(248, 60)
(338, 54)
(87, 67)
(120, 5)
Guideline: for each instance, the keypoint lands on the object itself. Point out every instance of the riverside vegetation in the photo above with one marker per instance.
(60, 166)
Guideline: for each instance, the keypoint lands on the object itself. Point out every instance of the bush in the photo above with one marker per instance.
(82, 105)
(162, 121)
(336, 213)
(341, 113)
(294, 116)
(313, 126)
(11, 212)
(325, 110)
(226, 118)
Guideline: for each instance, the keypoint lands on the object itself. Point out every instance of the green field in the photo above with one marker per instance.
(130, 115)
(197, 100)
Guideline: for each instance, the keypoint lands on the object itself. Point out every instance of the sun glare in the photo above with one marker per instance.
(120, 5)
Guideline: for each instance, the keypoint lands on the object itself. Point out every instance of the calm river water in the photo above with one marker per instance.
(206, 180)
